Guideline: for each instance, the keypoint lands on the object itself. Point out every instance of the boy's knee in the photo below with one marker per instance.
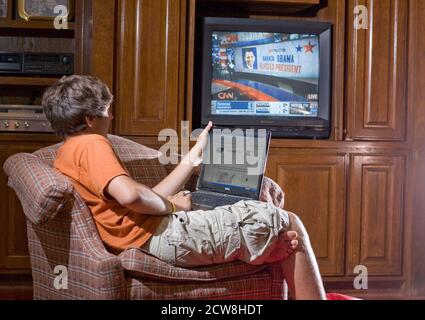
(293, 218)
(296, 224)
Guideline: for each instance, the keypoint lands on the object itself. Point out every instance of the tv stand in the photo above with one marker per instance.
(288, 132)
(300, 132)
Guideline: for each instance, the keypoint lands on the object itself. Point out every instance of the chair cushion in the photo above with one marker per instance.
(42, 190)
(139, 264)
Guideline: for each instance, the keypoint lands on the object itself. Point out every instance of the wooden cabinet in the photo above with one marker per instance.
(314, 186)
(375, 213)
(376, 99)
(150, 66)
(15, 266)
(353, 206)
(13, 238)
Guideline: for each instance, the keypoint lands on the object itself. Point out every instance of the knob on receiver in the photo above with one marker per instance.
(66, 59)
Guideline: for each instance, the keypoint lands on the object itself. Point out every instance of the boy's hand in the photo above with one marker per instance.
(196, 153)
(182, 200)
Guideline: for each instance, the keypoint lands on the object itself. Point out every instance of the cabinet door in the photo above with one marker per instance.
(149, 62)
(375, 211)
(13, 235)
(376, 74)
(314, 186)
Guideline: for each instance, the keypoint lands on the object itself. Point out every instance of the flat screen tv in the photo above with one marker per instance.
(273, 74)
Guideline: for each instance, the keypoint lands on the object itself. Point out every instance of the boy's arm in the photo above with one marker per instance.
(176, 180)
(136, 196)
(140, 198)
(103, 175)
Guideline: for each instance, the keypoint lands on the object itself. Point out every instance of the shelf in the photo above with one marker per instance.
(268, 7)
(34, 29)
(19, 24)
(17, 137)
(29, 81)
(280, 2)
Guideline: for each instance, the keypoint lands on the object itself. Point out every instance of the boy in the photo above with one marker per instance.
(159, 220)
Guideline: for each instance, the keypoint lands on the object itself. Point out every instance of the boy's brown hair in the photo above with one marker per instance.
(71, 99)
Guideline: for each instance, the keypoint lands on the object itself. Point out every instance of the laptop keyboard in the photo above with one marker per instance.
(213, 200)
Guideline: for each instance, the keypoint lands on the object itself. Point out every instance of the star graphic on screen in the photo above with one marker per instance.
(309, 47)
(299, 48)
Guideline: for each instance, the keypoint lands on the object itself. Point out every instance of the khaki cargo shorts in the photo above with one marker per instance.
(246, 231)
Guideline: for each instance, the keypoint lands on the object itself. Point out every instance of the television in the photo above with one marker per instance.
(273, 74)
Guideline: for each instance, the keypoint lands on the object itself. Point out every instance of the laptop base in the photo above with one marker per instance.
(206, 200)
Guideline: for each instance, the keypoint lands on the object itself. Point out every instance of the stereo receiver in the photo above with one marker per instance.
(23, 118)
(35, 63)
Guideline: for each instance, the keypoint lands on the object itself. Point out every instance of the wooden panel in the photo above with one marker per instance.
(148, 66)
(314, 186)
(376, 76)
(83, 36)
(269, 7)
(279, 2)
(335, 13)
(103, 40)
(416, 188)
(42, 28)
(375, 213)
(37, 44)
(95, 40)
(27, 81)
(16, 288)
(13, 237)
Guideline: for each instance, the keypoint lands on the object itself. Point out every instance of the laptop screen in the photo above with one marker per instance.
(234, 161)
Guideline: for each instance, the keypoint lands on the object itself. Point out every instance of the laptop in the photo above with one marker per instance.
(233, 167)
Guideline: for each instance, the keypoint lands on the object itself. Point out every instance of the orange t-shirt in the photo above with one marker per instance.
(90, 162)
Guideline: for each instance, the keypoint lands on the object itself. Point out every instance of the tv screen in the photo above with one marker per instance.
(267, 73)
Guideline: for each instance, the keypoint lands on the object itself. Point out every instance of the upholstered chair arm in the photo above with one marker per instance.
(42, 191)
(272, 192)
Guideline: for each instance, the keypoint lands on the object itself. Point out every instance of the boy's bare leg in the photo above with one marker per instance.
(300, 269)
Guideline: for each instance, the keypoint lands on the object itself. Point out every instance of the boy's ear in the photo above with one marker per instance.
(89, 121)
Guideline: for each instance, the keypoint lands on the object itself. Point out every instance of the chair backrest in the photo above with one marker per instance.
(142, 162)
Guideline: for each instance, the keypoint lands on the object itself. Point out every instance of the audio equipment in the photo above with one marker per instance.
(36, 63)
(22, 118)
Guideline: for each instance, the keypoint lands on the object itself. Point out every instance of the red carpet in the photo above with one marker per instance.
(338, 296)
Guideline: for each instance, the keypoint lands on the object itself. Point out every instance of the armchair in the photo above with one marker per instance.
(61, 232)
